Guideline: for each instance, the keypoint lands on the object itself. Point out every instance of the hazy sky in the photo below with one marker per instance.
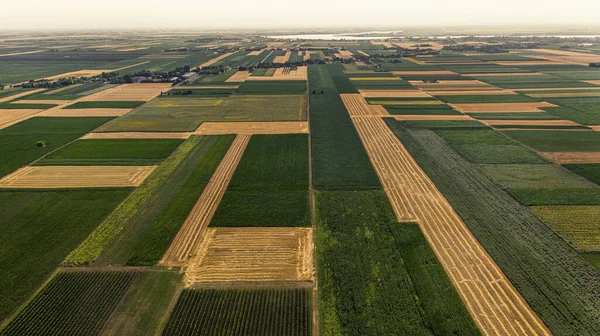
(66, 14)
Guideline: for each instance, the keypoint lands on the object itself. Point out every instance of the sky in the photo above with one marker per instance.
(263, 14)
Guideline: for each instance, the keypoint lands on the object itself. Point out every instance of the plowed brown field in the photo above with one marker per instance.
(76, 176)
(215, 60)
(253, 254)
(193, 229)
(276, 127)
(357, 106)
(495, 305)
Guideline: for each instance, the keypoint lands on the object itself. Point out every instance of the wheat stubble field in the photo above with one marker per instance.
(221, 183)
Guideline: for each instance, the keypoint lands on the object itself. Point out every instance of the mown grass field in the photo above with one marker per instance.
(523, 246)
(269, 186)
(263, 311)
(377, 275)
(112, 152)
(17, 142)
(39, 229)
(115, 240)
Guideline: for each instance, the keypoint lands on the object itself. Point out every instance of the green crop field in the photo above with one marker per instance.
(478, 99)
(377, 275)
(112, 152)
(557, 141)
(73, 303)
(17, 142)
(266, 311)
(590, 171)
(40, 230)
(578, 225)
(269, 186)
(523, 246)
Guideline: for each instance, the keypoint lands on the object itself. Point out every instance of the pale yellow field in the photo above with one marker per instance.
(239, 77)
(277, 127)
(424, 72)
(10, 117)
(432, 117)
(394, 94)
(357, 106)
(94, 112)
(530, 122)
(501, 107)
(215, 60)
(19, 95)
(22, 53)
(137, 135)
(130, 92)
(470, 93)
(572, 157)
(282, 59)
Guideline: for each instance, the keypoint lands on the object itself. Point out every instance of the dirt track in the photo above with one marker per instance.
(275, 127)
(76, 176)
(193, 229)
(253, 254)
(357, 106)
(495, 305)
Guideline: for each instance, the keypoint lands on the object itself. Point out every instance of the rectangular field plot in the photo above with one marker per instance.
(112, 152)
(40, 230)
(558, 141)
(186, 114)
(253, 254)
(240, 127)
(129, 92)
(269, 186)
(273, 87)
(56, 177)
(104, 105)
(17, 142)
(501, 107)
(73, 303)
(578, 225)
(517, 176)
(264, 311)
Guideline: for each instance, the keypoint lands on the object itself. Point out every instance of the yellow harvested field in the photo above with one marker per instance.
(193, 230)
(137, 135)
(282, 59)
(525, 63)
(253, 254)
(564, 94)
(19, 95)
(572, 157)
(460, 88)
(93, 112)
(76, 176)
(393, 94)
(505, 74)
(385, 44)
(432, 117)
(345, 54)
(255, 52)
(301, 73)
(22, 53)
(571, 57)
(452, 83)
(495, 305)
(414, 60)
(208, 87)
(530, 122)
(424, 72)
(215, 60)
(357, 106)
(361, 63)
(563, 89)
(307, 55)
(501, 107)
(470, 92)
(363, 53)
(407, 102)
(133, 49)
(414, 45)
(80, 73)
(375, 78)
(276, 127)
(595, 81)
(9, 117)
(130, 92)
(239, 77)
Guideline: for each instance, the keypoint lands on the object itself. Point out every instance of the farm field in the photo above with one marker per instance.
(426, 181)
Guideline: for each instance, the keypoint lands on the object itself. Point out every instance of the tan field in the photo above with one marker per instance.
(282, 59)
(432, 117)
(452, 83)
(253, 254)
(408, 102)
(345, 54)
(93, 112)
(357, 106)
(385, 44)
(40, 101)
(375, 79)
(283, 127)
(193, 229)
(239, 77)
(215, 60)
(130, 92)
(530, 122)
(505, 74)
(208, 87)
(493, 302)
(22, 53)
(470, 89)
(564, 94)
(501, 107)
(361, 63)
(307, 55)
(563, 56)
(76, 176)
(470, 93)
(363, 53)
(301, 73)
(10, 117)
(410, 59)
(572, 157)
(19, 95)
(393, 94)
(255, 52)
(595, 81)
(413, 45)
(518, 63)
(137, 135)
(424, 72)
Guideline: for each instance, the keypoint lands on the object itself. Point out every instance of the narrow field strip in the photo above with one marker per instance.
(492, 301)
(215, 60)
(530, 122)
(469, 93)
(138, 135)
(357, 106)
(19, 95)
(505, 74)
(283, 127)
(95, 112)
(253, 254)
(394, 94)
(129, 92)
(54, 177)
(239, 77)
(572, 157)
(423, 72)
(431, 117)
(501, 107)
(193, 229)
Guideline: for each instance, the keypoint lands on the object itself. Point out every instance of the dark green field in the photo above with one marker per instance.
(558, 141)
(17, 142)
(272, 87)
(112, 152)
